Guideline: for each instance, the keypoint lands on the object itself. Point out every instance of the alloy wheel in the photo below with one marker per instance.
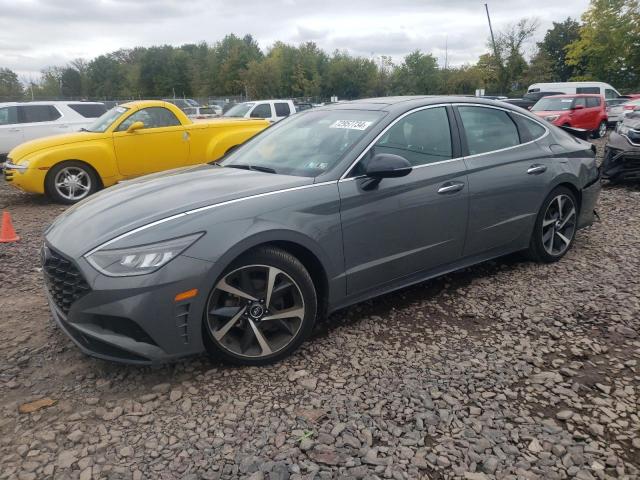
(72, 183)
(255, 311)
(559, 225)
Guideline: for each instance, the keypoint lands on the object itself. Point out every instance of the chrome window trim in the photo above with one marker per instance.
(546, 130)
(344, 178)
(201, 209)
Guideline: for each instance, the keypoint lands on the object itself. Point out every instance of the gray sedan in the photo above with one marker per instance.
(327, 208)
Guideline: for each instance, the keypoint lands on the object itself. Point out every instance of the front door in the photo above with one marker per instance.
(401, 226)
(508, 176)
(162, 144)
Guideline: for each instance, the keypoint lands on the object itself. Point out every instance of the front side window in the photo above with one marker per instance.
(282, 109)
(421, 137)
(610, 93)
(488, 129)
(152, 117)
(8, 115)
(37, 113)
(308, 144)
(261, 111)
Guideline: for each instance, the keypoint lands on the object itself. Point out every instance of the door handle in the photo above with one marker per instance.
(537, 169)
(185, 136)
(451, 187)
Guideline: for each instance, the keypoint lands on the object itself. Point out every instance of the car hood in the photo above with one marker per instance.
(135, 203)
(32, 146)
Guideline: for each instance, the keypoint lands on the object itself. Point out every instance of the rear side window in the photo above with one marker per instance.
(529, 129)
(282, 109)
(152, 117)
(37, 113)
(588, 90)
(261, 111)
(488, 129)
(593, 102)
(8, 115)
(421, 137)
(88, 110)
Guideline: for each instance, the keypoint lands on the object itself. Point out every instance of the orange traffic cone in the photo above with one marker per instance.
(7, 233)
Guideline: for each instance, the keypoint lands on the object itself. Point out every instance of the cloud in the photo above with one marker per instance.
(38, 33)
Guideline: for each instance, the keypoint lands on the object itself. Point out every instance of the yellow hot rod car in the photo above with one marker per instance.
(129, 140)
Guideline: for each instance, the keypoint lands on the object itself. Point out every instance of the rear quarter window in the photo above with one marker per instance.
(88, 110)
(529, 129)
(488, 129)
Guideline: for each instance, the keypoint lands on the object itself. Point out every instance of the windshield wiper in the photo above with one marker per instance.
(257, 168)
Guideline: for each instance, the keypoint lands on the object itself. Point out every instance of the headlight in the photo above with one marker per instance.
(551, 118)
(140, 260)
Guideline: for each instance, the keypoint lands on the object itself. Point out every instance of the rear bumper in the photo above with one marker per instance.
(590, 196)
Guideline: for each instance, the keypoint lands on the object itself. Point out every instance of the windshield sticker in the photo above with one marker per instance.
(351, 124)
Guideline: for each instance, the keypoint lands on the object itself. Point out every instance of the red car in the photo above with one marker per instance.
(581, 111)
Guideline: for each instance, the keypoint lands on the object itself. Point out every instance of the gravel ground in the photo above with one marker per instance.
(507, 370)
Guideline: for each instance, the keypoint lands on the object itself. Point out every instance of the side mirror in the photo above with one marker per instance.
(387, 165)
(135, 126)
(578, 107)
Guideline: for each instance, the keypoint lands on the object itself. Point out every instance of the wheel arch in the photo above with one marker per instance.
(87, 164)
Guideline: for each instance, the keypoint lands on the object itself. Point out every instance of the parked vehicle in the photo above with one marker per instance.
(303, 106)
(595, 88)
(586, 112)
(182, 103)
(327, 208)
(199, 113)
(272, 110)
(130, 140)
(20, 122)
(615, 109)
(529, 99)
(622, 152)
(629, 106)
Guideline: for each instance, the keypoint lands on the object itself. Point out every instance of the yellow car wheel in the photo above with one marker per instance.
(71, 181)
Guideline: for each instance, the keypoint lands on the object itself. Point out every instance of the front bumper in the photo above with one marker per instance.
(27, 179)
(129, 319)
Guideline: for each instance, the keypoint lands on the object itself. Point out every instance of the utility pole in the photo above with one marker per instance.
(495, 48)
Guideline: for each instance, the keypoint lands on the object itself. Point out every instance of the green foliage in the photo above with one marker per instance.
(10, 86)
(553, 49)
(608, 43)
(418, 75)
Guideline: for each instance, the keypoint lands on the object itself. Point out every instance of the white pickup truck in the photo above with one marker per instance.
(20, 122)
(272, 110)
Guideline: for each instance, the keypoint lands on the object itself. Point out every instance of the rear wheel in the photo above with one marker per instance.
(71, 181)
(261, 309)
(555, 227)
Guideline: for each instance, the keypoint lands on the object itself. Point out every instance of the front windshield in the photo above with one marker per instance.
(239, 110)
(307, 144)
(548, 104)
(103, 122)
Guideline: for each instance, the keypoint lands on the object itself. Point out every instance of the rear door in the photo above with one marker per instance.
(402, 226)
(580, 117)
(10, 130)
(508, 175)
(162, 144)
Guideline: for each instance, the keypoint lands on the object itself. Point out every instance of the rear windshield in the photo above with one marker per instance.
(553, 104)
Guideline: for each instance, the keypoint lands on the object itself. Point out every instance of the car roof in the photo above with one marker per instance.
(575, 95)
(49, 102)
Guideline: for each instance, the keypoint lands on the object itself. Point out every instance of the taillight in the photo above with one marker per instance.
(628, 107)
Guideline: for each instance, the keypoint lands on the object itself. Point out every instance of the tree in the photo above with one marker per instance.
(609, 42)
(70, 83)
(349, 77)
(106, 77)
(554, 49)
(418, 75)
(10, 86)
(510, 60)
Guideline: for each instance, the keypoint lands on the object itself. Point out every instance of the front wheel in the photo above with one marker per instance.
(555, 227)
(71, 181)
(261, 309)
(601, 131)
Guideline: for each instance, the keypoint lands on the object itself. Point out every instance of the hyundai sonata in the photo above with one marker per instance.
(327, 208)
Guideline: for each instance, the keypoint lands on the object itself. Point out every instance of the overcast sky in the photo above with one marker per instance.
(38, 33)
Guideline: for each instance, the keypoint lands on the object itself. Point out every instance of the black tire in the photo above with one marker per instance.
(292, 269)
(58, 194)
(597, 133)
(537, 250)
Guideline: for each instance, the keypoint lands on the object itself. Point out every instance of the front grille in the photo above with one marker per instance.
(64, 281)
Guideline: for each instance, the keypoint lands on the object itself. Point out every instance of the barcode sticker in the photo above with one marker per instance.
(351, 124)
